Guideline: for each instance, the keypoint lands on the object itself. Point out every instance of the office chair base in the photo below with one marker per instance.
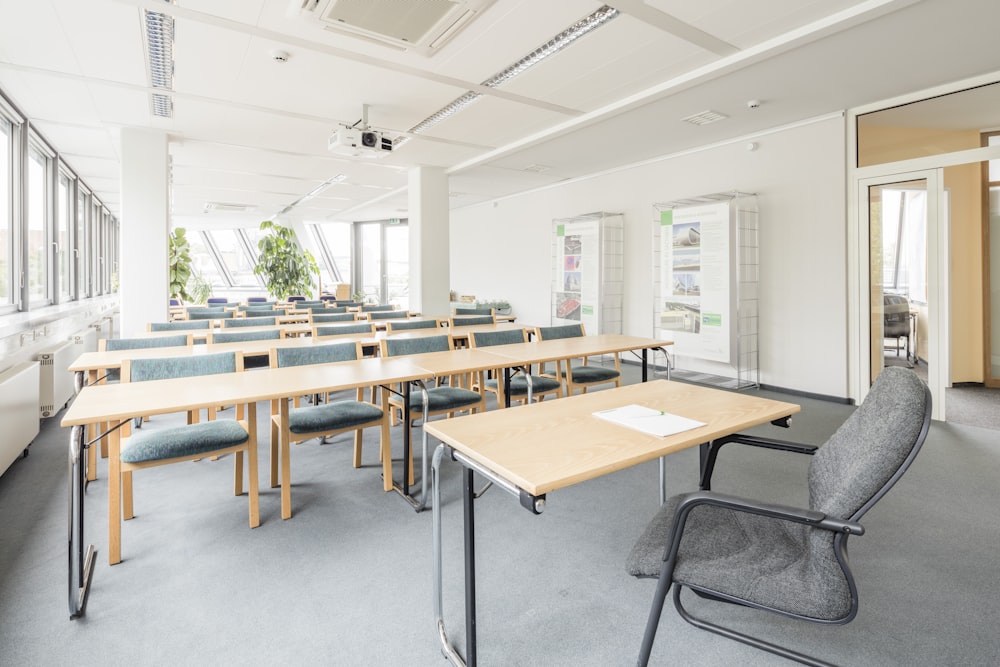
(742, 638)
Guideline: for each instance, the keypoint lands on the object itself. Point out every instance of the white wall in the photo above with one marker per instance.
(503, 249)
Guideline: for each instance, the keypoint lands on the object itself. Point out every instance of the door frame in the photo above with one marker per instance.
(938, 340)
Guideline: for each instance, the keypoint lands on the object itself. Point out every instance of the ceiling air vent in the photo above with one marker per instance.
(704, 118)
(422, 26)
(222, 207)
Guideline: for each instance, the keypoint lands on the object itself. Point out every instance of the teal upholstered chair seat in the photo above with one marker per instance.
(579, 375)
(442, 399)
(298, 423)
(183, 441)
(334, 416)
(519, 385)
(541, 386)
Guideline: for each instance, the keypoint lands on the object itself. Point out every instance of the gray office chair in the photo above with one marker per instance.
(896, 320)
(783, 559)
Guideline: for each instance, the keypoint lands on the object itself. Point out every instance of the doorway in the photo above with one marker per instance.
(382, 262)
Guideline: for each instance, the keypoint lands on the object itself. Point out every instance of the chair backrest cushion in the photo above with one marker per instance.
(241, 336)
(861, 460)
(248, 322)
(317, 354)
(179, 325)
(403, 325)
(388, 315)
(141, 370)
(372, 308)
(507, 337)
(469, 320)
(333, 317)
(343, 329)
(475, 310)
(562, 331)
(395, 347)
(208, 315)
(262, 312)
(112, 344)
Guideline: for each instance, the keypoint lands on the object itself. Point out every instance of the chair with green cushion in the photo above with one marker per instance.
(375, 308)
(442, 399)
(388, 315)
(194, 440)
(115, 344)
(404, 325)
(470, 320)
(474, 310)
(584, 374)
(258, 305)
(249, 322)
(297, 423)
(309, 304)
(258, 299)
(345, 304)
(179, 325)
(326, 318)
(541, 386)
(262, 312)
(332, 310)
(210, 315)
(254, 360)
(360, 330)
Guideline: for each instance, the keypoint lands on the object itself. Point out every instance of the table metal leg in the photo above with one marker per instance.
(469, 516)
(404, 489)
(81, 563)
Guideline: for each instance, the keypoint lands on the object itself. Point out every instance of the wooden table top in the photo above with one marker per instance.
(546, 446)
(125, 400)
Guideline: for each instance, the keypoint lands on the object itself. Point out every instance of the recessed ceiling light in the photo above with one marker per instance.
(537, 168)
(704, 118)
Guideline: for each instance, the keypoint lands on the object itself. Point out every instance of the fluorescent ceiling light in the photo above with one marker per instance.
(160, 59)
(549, 48)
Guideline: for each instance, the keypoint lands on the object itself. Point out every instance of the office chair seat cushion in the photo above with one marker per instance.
(519, 384)
(750, 557)
(441, 398)
(332, 416)
(593, 374)
(186, 440)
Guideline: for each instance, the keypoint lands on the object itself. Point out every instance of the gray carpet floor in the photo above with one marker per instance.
(347, 580)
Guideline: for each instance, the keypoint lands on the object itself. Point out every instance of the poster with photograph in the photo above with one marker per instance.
(576, 285)
(695, 279)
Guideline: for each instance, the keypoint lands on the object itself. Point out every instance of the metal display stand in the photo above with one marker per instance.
(706, 278)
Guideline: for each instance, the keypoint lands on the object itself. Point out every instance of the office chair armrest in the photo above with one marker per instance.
(808, 517)
(753, 441)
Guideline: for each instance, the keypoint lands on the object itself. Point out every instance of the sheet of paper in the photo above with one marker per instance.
(648, 420)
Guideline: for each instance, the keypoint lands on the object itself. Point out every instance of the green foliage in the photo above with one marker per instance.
(502, 306)
(285, 267)
(179, 256)
(199, 288)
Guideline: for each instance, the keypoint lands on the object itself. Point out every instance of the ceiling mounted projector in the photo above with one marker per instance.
(359, 143)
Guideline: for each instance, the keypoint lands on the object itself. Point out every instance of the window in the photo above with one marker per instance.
(234, 253)
(37, 265)
(904, 233)
(6, 214)
(334, 239)
(64, 237)
(202, 262)
(82, 244)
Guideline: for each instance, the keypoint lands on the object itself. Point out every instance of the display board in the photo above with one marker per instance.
(588, 271)
(705, 282)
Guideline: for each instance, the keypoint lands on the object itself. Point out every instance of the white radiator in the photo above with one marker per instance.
(56, 382)
(86, 340)
(18, 403)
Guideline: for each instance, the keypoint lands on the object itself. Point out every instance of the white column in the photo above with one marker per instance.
(428, 221)
(145, 226)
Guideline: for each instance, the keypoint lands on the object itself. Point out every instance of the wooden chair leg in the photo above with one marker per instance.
(127, 511)
(358, 437)
(252, 465)
(274, 448)
(385, 454)
(238, 474)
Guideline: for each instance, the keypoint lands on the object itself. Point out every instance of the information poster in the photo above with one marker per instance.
(577, 286)
(694, 279)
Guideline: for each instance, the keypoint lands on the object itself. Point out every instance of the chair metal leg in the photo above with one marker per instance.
(742, 638)
(653, 621)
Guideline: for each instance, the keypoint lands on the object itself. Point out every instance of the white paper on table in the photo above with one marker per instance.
(648, 420)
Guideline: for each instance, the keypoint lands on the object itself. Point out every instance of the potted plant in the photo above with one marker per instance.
(284, 266)
(179, 255)
(501, 306)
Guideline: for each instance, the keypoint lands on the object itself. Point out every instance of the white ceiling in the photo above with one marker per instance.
(250, 130)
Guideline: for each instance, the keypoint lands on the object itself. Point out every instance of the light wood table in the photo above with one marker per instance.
(539, 448)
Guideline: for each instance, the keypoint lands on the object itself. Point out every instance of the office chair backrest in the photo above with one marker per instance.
(475, 310)
(469, 320)
(506, 337)
(372, 308)
(248, 322)
(113, 344)
(242, 336)
(141, 370)
(179, 325)
(389, 315)
(394, 347)
(345, 329)
(325, 318)
(403, 325)
(200, 315)
(871, 450)
(262, 312)
(317, 354)
(562, 331)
